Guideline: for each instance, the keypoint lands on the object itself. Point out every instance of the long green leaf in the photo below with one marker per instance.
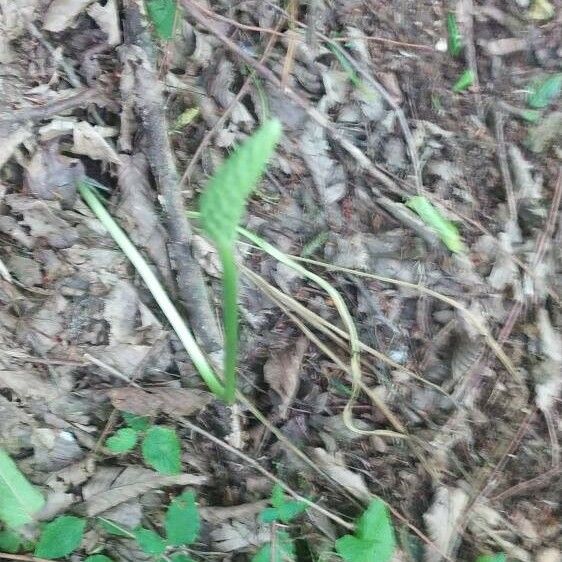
(162, 14)
(443, 227)
(454, 42)
(19, 500)
(223, 201)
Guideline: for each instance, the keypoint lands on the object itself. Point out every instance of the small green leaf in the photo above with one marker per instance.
(162, 14)
(161, 449)
(281, 550)
(373, 539)
(500, 557)
(182, 520)
(10, 541)
(454, 38)
(223, 201)
(60, 537)
(138, 423)
(98, 558)
(444, 228)
(465, 80)
(114, 529)
(122, 441)
(149, 541)
(545, 91)
(282, 509)
(531, 115)
(19, 499)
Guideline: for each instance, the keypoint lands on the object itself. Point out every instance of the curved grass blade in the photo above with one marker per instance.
(454, 42)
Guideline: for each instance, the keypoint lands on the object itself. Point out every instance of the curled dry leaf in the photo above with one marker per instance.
(90, 142)
(334, 465)
(172, 401)
(107, 18)
(442, 521)
(282, 373)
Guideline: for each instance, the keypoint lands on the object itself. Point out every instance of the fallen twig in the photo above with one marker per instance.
(139, 54)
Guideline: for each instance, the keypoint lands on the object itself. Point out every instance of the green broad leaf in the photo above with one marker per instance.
(19, 500)
(98, 558)
(223, 201)
(545, 91)
(162, 14)
(281, 550)
(10, 541)
(123, 440)
(60, 537)
(531, 115)
(282, 510)
(444, 228)
(138, 423)
(115, 529)
(149, 541)
(373, 540)
(465, 80)
(161, 450)
(454, 38)
(500, 557)
(182, 521)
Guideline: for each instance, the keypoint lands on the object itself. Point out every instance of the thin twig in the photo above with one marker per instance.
(504, 167)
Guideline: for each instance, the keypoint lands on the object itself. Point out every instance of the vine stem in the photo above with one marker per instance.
(230, 320)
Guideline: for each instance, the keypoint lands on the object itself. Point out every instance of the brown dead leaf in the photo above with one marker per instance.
(112, 486)
(282, 372)
(89, 141)
(334, 465)
(51, 176)
(173, 401)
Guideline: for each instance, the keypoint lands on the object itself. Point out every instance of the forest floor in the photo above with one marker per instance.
(457, 426)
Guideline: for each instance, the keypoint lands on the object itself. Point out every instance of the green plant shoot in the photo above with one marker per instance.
(544, 92)
(465, 80)
(443, 227)
(222, 206)
(454, 38)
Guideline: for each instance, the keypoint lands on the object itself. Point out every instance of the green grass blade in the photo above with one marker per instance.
(155, 287)
(223, 201)
(444, 228)
(454, 38)
(19, 500)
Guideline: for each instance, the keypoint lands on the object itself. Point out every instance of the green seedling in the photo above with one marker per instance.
(283, 510)
(19, 500)
(543, 92)
(454, 38)
(465, 80)
(161, 447)
(444, 228)
(222, 206)
(373, 538)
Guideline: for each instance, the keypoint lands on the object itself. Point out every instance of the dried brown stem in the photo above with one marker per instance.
(139, 55)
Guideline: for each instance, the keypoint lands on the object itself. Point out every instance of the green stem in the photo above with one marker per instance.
(158, 292)
(230, 320)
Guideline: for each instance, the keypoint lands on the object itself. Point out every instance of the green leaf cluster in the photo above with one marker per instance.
(161, 447)
(283, 510)
(182, 526)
